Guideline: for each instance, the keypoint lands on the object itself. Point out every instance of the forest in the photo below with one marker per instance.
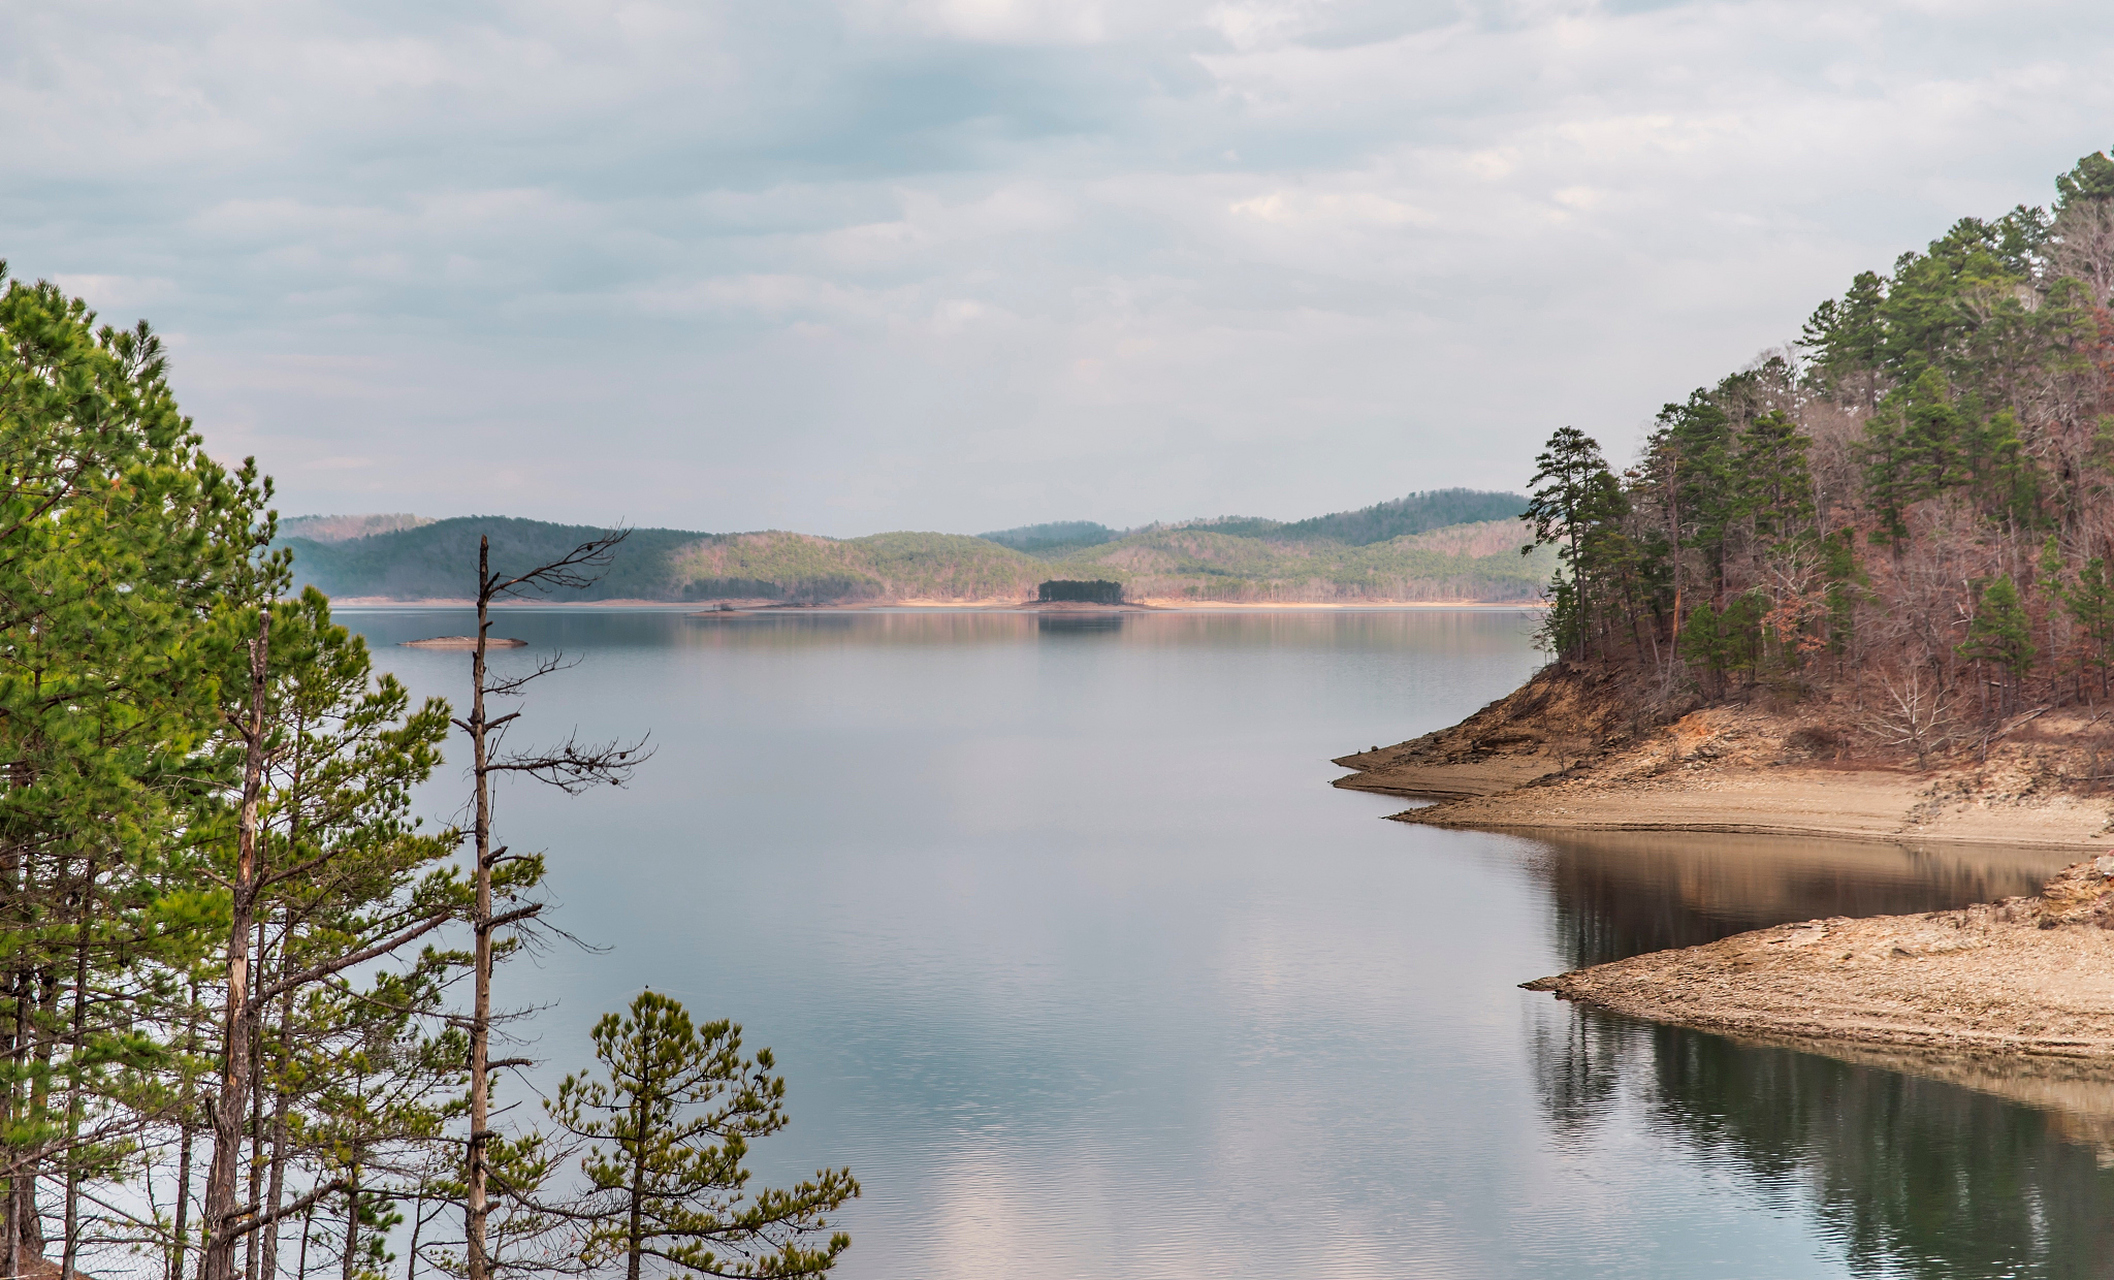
(1909, 510)
(257, 1018)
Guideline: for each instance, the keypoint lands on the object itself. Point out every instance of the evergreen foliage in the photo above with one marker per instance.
(1060, 535)
(1918, 498)
(667, 1129)
(1095, 592)
(1405, 517)
(231, 985)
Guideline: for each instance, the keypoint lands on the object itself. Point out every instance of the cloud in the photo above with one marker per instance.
(855, 264)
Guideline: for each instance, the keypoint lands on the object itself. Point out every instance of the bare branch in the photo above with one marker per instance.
(573, 571)
(511, 686)
(328, 967)
(574, 767)
(228, 1231)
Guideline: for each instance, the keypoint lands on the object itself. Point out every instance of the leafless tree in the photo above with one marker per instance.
(572, 767)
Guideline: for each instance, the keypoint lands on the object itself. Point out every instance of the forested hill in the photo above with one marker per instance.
(1445, 545)
(1909, 511)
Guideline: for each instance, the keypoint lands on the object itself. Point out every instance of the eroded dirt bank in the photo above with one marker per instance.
(1558, 754)
(2027, 976)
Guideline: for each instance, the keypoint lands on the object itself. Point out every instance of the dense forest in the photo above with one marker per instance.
(255, 1017)
(1450, 544)
(1910, 509)
(1381, 522)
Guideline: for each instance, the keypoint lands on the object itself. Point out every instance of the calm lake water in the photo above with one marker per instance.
(1069, 950)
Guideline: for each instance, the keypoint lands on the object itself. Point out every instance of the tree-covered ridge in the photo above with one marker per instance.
(1057, 536)
(1914, 503)
(1209, 560)
(438, 561)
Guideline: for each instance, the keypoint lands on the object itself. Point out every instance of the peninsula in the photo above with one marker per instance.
(1860, 589)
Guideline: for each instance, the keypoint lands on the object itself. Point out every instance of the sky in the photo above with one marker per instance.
(844, 266)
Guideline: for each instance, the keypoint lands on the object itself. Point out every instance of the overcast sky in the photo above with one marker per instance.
(852, 265)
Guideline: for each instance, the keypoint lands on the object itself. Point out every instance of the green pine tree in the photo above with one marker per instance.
(2001, 635)
(667, 1133)
(1574, 499)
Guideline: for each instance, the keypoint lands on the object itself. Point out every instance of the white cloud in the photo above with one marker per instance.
(1162, 257)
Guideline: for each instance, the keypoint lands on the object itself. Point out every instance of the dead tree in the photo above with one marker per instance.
(572, 767)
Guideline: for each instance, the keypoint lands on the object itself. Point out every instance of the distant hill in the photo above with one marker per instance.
(1392, 551)
(1382, 522)
(437, 560)
(343, 528)
(1042, 539)
(1417, 513)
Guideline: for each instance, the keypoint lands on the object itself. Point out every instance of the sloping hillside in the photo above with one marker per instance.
(1203, 561)
(438, 561)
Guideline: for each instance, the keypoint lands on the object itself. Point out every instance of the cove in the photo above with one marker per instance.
(1069, 950)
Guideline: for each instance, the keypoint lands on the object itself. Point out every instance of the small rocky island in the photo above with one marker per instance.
(464, 642)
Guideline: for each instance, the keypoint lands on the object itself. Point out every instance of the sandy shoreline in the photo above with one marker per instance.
(2024, 976)
(1539, 760)
(1964, 996)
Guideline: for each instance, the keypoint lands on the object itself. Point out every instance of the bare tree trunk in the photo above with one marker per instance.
(220, 1208)
(475, 1207)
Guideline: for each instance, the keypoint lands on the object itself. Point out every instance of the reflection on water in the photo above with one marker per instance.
(1914, 1163)
(1071, 953)
(1620, 894)
(1906, 1175)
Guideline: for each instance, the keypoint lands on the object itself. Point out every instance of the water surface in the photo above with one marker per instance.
(1068, 949)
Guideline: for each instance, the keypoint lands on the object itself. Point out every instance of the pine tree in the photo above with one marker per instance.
(2001, 634)
(2090, 605)
(668, 1131)
(1574, 496)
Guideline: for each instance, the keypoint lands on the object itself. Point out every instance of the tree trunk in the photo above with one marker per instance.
(70, 1251)
(475, 1208)
(181, 1245)
(256, 1190)
(349, 1264)
(277, 1193)
(220, 1208)
(634, 1233)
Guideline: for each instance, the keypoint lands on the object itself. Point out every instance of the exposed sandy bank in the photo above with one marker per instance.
(2026, 976)
(1556, 755)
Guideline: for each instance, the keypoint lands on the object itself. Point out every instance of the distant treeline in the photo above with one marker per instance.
(1057, 535)
(1409, 549)
(1381, 522)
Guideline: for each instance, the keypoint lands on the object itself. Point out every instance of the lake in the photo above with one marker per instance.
(1069, 950)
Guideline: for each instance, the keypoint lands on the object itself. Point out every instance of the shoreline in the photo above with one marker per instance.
(1553, 756)
(2026, 977)
(1962, 995)
(1145, 605)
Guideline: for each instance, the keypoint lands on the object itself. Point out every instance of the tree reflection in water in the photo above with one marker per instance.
(1906, 1175)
